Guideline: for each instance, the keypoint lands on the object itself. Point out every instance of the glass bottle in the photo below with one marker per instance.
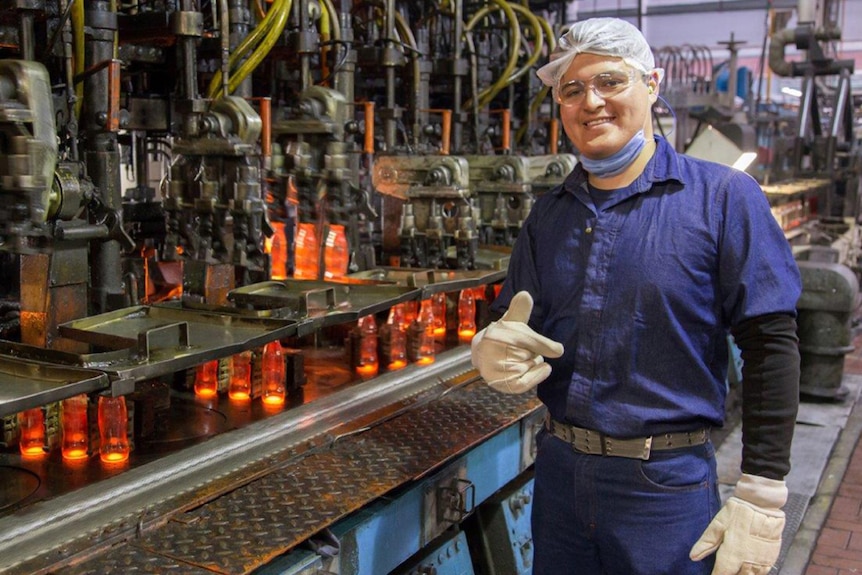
(397, 337)
(439, 321)
(113, 429)
(31, 427)
(368, 363)
(206, 379)
(278, 252)
(466, 315)
(336, 256)
(74, 428)
(307, 264)
(273, 374)
(424, 328)
(240, 377)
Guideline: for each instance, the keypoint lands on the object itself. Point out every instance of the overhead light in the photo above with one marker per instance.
(744, 161)
(791, 92)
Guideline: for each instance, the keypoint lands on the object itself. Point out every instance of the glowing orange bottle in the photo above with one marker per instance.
(206, 379)
(397, 338)
(368, 363)
(466, 316)
(278, 252)
(113, 429)
(74, 428)
(240, 377)
(411, 312)
(31, 426)
(306, 262)
(439, 303)
(273, 374)
(426, 352)
(335, 253)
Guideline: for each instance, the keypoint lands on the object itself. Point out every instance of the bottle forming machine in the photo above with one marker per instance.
(244, 247)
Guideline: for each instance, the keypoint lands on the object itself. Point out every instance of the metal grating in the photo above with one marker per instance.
(794, 511)
(249, 526)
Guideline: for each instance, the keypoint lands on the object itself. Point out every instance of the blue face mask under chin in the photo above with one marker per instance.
(618, 162)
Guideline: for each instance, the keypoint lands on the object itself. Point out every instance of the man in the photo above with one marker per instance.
(630, 275)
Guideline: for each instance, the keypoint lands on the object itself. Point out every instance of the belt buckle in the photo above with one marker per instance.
(631, 448)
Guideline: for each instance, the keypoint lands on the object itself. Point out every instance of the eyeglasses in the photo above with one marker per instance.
(605, 85)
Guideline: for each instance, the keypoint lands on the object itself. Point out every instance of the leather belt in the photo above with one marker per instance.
(596, 443)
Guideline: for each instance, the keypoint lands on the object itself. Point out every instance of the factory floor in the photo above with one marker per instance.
(823, 535)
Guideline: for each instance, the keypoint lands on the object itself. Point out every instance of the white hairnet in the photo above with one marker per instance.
(602, 36)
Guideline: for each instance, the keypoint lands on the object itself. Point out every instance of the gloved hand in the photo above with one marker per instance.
(747, 530)
(508, 354)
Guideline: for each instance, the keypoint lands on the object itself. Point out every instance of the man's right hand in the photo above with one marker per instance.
(509, 355)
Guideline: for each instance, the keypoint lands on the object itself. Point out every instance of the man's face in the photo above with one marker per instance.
(598, 125)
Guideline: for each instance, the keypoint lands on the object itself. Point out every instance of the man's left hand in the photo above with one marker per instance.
(746, 533)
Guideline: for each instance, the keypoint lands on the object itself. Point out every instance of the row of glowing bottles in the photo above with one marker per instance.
(112, 413)
(425, 322)
(273, 373)
(336, 255)
(113, 423)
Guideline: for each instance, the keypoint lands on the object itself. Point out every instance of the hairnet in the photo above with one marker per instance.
(602, 36)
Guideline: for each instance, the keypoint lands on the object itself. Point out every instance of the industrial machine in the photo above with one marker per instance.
(244, 247)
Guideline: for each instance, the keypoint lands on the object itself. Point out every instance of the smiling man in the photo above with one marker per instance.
(622, 289)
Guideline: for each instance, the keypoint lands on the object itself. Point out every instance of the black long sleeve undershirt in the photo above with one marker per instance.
(770, 392)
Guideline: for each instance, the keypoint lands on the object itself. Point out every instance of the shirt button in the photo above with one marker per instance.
(589, 230)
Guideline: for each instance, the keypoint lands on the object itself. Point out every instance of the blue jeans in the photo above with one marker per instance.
(595, 515)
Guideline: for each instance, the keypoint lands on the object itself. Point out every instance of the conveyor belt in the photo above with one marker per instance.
(238, 530)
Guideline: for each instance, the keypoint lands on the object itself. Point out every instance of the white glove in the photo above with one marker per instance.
(747, 530)
(508, 354)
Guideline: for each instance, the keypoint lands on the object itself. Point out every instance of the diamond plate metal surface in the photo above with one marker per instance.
(130, 560)
(249, 526)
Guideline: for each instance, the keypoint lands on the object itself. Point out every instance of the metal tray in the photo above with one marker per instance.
(315, 304)
(26, 384)
(149, 341)
(431, 281)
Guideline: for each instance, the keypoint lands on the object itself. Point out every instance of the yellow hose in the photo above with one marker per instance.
(543, 93)
(537, 48)
(263, 49)
(486, 95)
(249, 43)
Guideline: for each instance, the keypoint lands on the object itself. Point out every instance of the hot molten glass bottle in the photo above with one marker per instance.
(113, 429)
(31, 426)
(439, 321)
(74, 428)
(424, 329)
(240, 377)
(368, 364)
(273, 374)
(307, 264)
(206, 379)
(278, 252)
(336, 257)
(466, 315)
(397, 338)
(411, 312)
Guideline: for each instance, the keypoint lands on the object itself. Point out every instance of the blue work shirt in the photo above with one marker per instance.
(643, 291)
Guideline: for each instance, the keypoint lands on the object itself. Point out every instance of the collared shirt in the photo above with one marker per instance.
(643, 291)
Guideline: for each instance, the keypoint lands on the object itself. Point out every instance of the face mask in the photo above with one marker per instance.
(618, 162)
